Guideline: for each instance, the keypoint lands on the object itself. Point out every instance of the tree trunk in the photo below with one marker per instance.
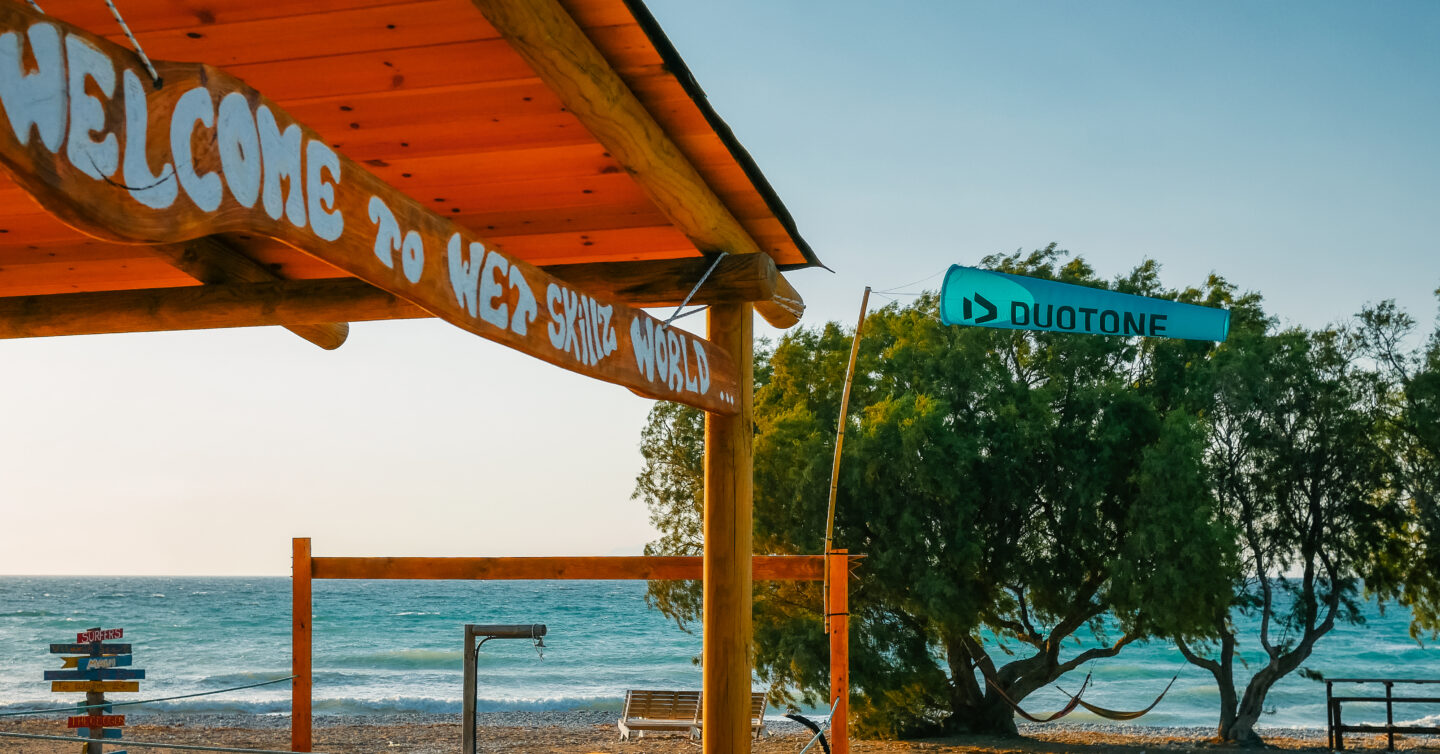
(974, 706)
(994, 717)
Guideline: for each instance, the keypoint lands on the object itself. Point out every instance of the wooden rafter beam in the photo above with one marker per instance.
(545, 35)
(735, 279)
(214, 262)
(292, 304)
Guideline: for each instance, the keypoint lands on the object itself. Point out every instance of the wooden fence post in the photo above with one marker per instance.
(837, 608)
(729, 533)
(300, 614)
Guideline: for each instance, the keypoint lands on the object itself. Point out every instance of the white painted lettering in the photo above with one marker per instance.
(194, 106)
(151, 190)
(412, 256)
(702, 368)
(239, 144)
(281, 154)
(34, 100)
(556, 329)
(95, 158)
(642, 343)
(492, 288)
(387, 232)
(465, 275)
(526, 307)
(677, 377)
(327, 224)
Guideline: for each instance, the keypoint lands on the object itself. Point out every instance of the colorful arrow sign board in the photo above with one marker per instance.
(98, 668)
(984, 298)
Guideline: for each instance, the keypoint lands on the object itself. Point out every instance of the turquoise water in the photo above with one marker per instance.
(395, 646)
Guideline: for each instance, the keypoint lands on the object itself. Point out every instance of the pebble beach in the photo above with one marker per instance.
(583, 731)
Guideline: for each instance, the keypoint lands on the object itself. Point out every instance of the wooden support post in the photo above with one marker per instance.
(837, 609)
(729, 530)
(300, 646)
(93, 698)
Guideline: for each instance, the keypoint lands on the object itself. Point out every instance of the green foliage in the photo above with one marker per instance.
(1020, 484)
(1408, 569)
(1296, 462)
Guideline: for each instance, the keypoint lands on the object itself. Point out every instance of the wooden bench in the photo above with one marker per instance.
(672, 711)
(675, 711)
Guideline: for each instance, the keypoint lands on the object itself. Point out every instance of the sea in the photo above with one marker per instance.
(395, 647)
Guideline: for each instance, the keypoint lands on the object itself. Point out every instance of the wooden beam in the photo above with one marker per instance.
(238, 164)
(729, 533)
(291, 303)
(213, 262)
(736, 279)
(644, 567)
(545, 35)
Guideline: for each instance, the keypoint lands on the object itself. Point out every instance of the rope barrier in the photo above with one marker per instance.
(134, 43)
(78, 707)
(140, 744)
(691, 294)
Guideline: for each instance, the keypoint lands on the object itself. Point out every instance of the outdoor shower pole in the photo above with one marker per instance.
(532, 631)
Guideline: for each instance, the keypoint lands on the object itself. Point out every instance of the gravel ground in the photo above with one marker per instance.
(585, 731)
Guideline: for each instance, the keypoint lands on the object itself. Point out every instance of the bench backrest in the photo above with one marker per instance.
(678, 705)
(662, 705)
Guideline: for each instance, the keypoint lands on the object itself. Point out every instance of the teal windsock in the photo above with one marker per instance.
(984, 298)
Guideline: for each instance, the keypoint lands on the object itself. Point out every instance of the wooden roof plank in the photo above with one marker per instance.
(546, 36)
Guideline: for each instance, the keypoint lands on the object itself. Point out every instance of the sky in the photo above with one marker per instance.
(1290, 147)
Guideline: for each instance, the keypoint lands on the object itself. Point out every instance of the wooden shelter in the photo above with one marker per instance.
(532, 171)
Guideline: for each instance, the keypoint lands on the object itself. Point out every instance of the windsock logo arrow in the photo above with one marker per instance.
(990, 310)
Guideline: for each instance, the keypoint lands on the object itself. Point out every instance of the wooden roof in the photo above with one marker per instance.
(430, 97)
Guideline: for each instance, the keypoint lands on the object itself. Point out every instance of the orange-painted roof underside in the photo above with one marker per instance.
(428, 96)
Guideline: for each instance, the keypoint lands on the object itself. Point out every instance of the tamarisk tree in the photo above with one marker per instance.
(1009, 490)
(1409, 569)
(1296, 463)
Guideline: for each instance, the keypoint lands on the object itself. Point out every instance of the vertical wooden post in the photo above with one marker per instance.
(729, 530)
(92, 701)
(300, 614)
(837, 608)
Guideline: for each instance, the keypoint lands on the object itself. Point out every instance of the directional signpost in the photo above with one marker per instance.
(971, 296)
(97, 668)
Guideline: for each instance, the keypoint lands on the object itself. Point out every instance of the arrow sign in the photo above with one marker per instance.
(95, 721)
(98, 634)
(103, 733)
(94, 663)
(971, 296)
(60, 687)
(93, 649)
(99, 674)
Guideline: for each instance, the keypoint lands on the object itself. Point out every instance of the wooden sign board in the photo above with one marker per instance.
(93, 663)
(59, 687)
(97, 634)
(100, 733)
(95, 721)
(93, 649)
(88, 135)
(99, 674)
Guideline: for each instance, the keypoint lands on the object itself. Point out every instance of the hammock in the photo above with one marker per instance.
(1110, 714)
(1067, 709)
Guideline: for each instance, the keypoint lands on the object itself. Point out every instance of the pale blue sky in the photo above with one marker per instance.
(1290, 146)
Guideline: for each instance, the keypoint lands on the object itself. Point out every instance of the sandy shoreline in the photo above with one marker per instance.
(580, 731)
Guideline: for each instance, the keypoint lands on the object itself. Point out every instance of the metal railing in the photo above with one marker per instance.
(1337, 728)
